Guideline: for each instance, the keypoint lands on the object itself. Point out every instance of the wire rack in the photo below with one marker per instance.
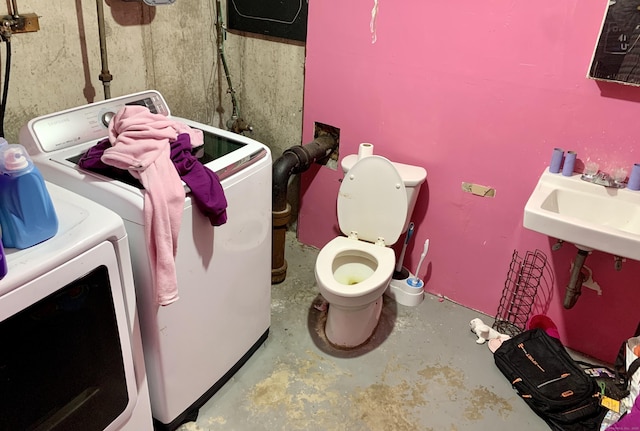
(519, 292)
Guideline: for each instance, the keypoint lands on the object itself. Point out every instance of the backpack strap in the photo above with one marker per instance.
(633, 368)
(620, 365)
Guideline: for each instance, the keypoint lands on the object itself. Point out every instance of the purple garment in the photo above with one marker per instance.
(206, 190)
(91, 161)
(630, 421)
(205, 186)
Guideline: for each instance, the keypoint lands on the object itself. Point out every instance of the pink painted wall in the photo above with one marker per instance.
(475, 92)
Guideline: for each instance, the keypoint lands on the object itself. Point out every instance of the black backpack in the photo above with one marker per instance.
(553, 385)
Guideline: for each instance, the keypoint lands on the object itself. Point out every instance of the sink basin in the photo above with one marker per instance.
(588, 215)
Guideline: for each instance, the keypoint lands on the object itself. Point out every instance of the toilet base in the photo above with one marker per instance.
(350, 327)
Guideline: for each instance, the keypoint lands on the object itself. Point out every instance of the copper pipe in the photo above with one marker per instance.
(104, 76)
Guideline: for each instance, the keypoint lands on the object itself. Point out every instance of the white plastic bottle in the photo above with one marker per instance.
(27, 215)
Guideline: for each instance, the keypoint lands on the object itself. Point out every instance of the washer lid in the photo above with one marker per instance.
(372, 201)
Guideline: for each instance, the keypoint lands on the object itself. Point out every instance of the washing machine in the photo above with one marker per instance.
(72, 356)
(194, 345)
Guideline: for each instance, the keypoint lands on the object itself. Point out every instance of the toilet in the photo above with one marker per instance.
(375, 202)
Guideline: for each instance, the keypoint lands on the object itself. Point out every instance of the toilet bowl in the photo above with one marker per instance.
(352, 272)
(352, 275)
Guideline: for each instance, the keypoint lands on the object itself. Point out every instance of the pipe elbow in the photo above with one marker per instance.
(282, 169)
(294, 160)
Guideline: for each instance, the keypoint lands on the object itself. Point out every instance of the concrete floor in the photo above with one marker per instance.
(422, 370)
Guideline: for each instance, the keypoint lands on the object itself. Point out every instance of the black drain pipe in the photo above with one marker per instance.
(293, 161)
(574, 288)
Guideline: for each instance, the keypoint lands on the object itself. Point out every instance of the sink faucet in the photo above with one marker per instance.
(603, 179)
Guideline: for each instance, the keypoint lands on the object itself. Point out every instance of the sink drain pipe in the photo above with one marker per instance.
(294, 160)
(574, 288)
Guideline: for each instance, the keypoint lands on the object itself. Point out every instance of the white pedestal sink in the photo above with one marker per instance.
(586, 214)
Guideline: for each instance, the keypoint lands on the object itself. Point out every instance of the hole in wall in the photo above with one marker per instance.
(320, 129)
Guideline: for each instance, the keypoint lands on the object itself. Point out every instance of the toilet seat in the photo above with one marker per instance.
(360, 293)
(372, 201)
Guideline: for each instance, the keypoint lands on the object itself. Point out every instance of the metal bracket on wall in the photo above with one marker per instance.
(478, 190)
(23, 23)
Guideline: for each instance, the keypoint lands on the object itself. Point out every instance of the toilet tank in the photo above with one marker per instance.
(412, 176)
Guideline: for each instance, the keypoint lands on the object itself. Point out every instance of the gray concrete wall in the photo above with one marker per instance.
(169, 48)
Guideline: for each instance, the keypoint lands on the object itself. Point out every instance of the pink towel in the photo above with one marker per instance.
(140, 144)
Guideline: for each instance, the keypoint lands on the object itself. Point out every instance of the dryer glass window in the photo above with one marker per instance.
(61, 365)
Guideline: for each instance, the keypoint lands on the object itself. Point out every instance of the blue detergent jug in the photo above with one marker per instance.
(27, 215)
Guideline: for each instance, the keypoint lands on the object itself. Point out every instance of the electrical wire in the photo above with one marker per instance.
(5, 89)
(5, 36)
(220, 35)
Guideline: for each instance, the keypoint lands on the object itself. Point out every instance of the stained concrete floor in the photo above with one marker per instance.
(422, 370)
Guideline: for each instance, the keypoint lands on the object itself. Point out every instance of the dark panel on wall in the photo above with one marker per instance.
(278, 18)
(617, 54)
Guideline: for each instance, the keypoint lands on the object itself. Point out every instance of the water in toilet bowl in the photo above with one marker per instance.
(352, 273)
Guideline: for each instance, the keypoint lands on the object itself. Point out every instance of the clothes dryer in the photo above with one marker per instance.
(194, 345)
(71, 354)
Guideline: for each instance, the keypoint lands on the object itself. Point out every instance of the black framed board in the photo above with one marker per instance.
(617, 54)
(286, 19)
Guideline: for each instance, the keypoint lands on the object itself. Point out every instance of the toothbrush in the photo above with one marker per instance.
(415, 281)
(404, 247)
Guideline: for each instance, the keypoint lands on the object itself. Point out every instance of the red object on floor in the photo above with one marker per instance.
(544, 322)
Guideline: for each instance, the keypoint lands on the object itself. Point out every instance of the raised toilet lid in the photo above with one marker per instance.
(372, 200)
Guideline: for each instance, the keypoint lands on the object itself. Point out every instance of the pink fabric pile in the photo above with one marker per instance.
(140, 144)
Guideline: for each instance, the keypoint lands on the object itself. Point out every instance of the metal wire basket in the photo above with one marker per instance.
(519, 293)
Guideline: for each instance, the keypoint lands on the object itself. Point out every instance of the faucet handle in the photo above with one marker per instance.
(590, 168)
(619, 175)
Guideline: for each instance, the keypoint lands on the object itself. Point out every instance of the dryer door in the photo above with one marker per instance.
(66, 360)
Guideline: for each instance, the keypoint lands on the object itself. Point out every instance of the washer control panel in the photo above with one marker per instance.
(83, 124)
